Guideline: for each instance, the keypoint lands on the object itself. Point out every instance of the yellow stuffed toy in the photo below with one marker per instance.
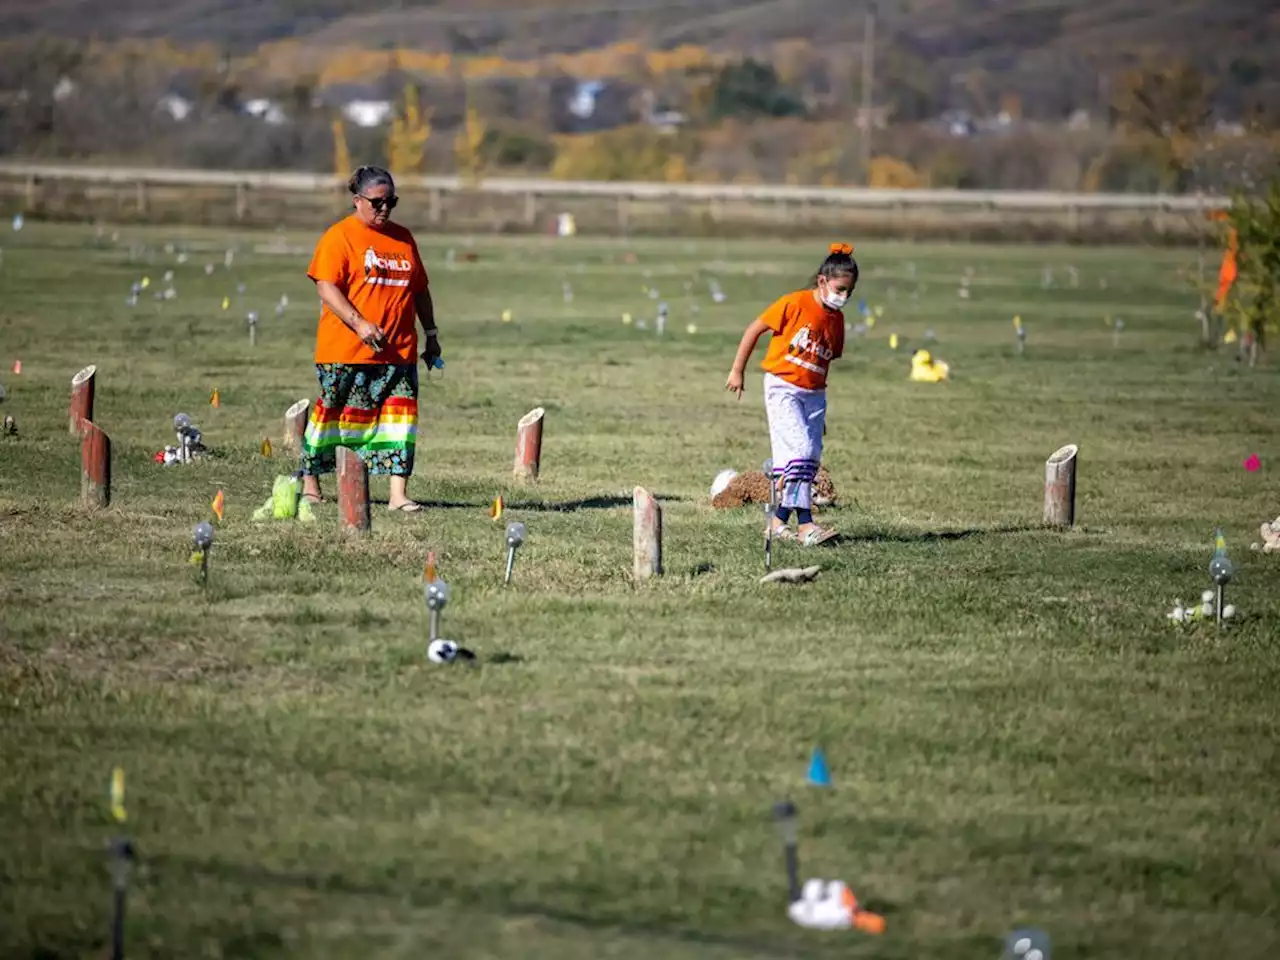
(925, 369)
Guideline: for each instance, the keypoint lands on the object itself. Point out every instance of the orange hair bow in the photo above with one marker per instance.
(845, 248)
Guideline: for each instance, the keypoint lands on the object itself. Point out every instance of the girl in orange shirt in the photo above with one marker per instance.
(372, 284)
(807, 330)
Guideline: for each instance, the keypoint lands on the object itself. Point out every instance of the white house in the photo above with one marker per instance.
(176, 106)
(265, 110)
(368, 113)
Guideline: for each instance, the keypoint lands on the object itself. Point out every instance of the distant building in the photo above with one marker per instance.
(268, 111)
(365, 105)
(176, 106)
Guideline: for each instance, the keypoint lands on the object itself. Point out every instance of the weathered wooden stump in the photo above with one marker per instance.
(1060, 487)
(529, 445)
(353, 492)
(295, 425)
(95, 466)
(82, 398)
(792, 575)
(647, 535)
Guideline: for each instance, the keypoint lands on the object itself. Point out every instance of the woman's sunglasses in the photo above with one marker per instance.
(380, 203)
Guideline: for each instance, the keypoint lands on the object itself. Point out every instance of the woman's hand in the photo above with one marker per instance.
(734, 383)
(369, 333)
(431, 350)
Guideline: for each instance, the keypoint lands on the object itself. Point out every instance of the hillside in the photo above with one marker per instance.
(989, 33)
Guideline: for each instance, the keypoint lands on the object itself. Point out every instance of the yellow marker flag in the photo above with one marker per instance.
(893, 341)
(197, 558)
(215, 398)
(219, 505)
(265, 449)
(495, 511)
(117, 795)
(1017, 323)
(146, 282)
(226, 303)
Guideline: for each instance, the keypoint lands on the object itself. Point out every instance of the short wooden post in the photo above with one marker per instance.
(353, 492)
(1060, 487)
(529, 445)
(242, 201)
(82, 398)
(647, 535)
(295, 425)
(530, 209)
(95, 466)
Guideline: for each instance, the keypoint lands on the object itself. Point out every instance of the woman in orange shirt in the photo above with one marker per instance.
(371, 283)
(807, 330)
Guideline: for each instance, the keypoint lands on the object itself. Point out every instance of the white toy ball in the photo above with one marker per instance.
(722, 481)
(1022, 946)
(1206, 597)
(1034, 954)
(1206, 608)
(442, 651)
(813, 890)
(1228, 611)
(1177, 615)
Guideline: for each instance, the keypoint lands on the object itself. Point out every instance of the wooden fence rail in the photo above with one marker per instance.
(524, 204)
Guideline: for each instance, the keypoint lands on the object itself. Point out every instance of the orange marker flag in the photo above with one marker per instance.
(215, 400)
(429, 571)
(1229, 270)
(495, 512)
(17, 366)
(265, 449)
(219, 505)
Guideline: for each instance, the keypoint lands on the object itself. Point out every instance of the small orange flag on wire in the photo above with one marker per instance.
(265, 449)
(495, 511)
(219, 505)
(429, 571)
(17, 366)
(215, 399)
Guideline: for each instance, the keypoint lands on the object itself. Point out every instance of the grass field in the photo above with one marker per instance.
(1016, 733)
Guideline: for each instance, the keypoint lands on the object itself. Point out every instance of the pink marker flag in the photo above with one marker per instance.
(1252, 463)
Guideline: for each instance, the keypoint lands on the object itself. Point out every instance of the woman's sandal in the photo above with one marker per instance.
(409, 506)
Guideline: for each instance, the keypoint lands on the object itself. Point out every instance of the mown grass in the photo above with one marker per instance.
(1017, 735)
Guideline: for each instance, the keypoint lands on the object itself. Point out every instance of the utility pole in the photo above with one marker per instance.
(868, 80)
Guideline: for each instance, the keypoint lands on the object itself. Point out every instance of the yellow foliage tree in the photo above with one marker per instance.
(341, 154)
(410, 130)
(1164, 107)
(892, 173)
(468, 147)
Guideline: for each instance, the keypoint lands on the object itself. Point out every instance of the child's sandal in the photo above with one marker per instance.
(817, 536)
(780, 531)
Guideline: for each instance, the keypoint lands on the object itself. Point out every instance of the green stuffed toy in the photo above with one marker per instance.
(286, 501)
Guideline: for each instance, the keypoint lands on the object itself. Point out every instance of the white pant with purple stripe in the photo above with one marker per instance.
(796, 421)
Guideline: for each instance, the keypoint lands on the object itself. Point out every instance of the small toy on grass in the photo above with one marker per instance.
(286, 501)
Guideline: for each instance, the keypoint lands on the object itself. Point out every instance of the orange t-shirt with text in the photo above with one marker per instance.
(381, 273)
(807, 336)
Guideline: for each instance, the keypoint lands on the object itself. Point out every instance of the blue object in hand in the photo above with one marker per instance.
(437, 363)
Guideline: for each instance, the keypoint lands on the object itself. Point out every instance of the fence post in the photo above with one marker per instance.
(295, 425)
(95, 466)
(1060, 487)
(353, 492)
(647, 535)
(81, 398)
(529, 445)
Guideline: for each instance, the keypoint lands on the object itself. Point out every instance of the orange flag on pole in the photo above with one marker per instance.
(1229, 270)
(219, 505)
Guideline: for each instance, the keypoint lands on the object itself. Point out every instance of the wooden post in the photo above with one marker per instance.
(1060, 487)
(242, 201)
(647, 535)
(95, 466)
(530, 209)
(353, 492)
(529, 445)
(295, 425)
(82, 398)
(140, 196)
(435, 205)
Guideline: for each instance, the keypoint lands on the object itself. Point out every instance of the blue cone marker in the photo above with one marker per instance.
(819, 775)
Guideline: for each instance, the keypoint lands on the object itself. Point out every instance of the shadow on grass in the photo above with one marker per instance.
(440, 895)
(934, 536)
(540, 506)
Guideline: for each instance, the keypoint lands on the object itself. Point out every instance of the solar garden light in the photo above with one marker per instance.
(516, 533)
(182, 427)
(202, 537)
(436, 593)
(1221, 570)
(252, 320)
(784, 818)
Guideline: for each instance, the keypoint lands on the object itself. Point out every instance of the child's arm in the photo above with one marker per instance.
(748, 343)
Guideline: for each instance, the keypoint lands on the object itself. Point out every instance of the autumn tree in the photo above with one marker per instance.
(1164, 108)
(410, 130)
(1253, 304)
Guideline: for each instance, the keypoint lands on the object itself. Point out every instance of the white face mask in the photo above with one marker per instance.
(834, 300)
